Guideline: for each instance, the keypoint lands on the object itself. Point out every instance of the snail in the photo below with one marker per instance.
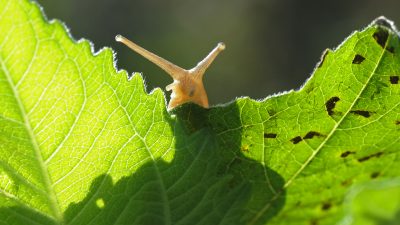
(188, 84)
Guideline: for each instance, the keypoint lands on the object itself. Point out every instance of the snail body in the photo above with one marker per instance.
(188, 84)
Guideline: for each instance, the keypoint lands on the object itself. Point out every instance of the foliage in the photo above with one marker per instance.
(80, 144)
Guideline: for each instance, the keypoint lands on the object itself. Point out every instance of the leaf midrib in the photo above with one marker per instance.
(43, 169)
(53, 203)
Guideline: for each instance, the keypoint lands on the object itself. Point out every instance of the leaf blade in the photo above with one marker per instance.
(114, 155)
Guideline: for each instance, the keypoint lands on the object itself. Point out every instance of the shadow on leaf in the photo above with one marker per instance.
(209, 181)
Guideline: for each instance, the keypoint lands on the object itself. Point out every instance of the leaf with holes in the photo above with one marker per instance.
(80, 143)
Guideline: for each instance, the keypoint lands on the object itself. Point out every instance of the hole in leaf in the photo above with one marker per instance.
(375, 175)
(346, 153)
(326, 206)
(330, 104)
(296, 140)
(358, 59)
(363, 113)
(270, 135)
(312, 134)
(377, 155)
(394, 79)
(381, 36)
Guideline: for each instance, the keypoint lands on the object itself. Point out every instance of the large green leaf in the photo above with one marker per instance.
(80, 144)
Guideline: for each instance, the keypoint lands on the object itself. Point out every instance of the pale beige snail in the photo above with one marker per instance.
(188, 84)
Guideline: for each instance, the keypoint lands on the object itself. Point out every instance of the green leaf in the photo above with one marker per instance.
(80, 144)
(374, 203)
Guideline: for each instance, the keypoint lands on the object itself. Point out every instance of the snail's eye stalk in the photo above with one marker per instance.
(202, 66)
(188, 84)
(164, 64)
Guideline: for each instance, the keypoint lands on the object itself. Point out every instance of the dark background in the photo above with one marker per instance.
(272, 45)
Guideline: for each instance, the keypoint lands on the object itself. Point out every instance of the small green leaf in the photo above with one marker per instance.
(82, 144)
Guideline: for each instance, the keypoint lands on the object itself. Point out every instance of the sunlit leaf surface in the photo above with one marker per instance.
(80, 143)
